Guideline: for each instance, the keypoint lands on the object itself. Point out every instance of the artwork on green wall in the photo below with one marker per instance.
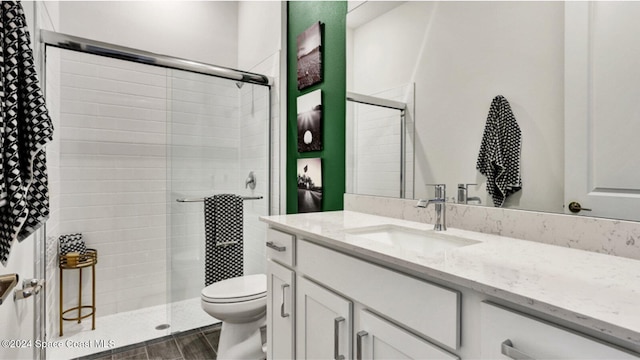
(309, 109)
(310, 56)
(309, 185)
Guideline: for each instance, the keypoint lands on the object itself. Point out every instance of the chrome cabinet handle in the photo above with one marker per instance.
(336, 338)
(359, 337)
(512, 353)
(282, 313)
(275, 247)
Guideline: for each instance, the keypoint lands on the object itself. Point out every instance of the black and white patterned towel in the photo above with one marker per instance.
(72, 243)
(25, 128)
(499, 158)
(223, 222)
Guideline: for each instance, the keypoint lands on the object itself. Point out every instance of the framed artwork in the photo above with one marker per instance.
(309, 185)
(310, 121)
(310, 56)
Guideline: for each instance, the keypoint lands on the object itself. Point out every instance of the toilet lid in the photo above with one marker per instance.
(242, 288)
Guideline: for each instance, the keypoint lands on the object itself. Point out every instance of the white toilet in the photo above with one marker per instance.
(241, 304)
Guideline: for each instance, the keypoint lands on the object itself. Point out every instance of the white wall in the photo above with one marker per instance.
(203, 31)
(461, 55)
(258, 32)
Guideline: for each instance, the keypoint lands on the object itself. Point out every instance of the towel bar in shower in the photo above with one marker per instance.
(202, 199)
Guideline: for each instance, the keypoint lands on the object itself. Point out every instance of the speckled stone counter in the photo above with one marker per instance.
(592, 290)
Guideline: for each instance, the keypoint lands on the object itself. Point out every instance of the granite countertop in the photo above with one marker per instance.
(596, 291)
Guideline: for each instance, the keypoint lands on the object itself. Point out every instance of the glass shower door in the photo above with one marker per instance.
(218, 133)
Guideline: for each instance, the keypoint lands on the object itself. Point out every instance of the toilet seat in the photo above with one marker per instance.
(239, 289)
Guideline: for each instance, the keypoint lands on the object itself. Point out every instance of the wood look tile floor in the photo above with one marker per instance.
(194, 344)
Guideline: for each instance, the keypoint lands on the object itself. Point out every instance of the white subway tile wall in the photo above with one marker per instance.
(257, 103)
(133, 139)
(113, 179)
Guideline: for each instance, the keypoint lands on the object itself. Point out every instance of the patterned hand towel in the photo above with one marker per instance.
(223, 221)
(25, 128)
(499, 158)
(72, 243)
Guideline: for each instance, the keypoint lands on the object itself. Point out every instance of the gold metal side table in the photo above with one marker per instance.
(90, 259)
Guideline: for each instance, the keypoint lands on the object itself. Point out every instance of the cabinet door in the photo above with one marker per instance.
(510, 335)
(280, 311)
(379, 339)
(324, 323)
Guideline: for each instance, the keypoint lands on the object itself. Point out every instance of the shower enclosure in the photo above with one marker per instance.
(135, 133)
(379, 151)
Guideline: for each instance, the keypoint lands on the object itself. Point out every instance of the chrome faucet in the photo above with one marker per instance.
(463, 194)
(439, 203)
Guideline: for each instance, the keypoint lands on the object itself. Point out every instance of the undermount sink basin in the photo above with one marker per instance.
(408, 239)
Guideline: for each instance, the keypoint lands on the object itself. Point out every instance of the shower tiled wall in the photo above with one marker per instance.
(256, 102)
(113, 177)
(119, 179)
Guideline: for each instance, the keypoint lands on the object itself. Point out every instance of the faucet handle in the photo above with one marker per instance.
(441, 189)
(465, 186)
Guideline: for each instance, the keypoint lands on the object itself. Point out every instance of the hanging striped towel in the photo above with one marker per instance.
(223, 222)
(25, 128)
(499, 158)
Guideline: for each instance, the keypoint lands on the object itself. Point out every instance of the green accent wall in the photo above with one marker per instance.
(301, 15)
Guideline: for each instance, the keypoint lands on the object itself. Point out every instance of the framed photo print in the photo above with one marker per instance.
(310, 121)
(310, 56)
(309, 185)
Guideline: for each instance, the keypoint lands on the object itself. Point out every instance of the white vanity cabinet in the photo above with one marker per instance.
(324, 323)
(280, 295)
(326, 304)
(377, 338)
(338, 297)
(507, 334)
(280, 311)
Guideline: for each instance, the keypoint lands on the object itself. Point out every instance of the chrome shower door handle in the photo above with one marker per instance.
(336, 338)
(511, 352)
(282, 313)
(272, 245)
(359, 337)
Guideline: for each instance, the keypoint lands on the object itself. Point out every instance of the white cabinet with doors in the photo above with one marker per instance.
(377, 339)
(328, 304)
(280, 311)
(329, 285)
(324, 323)
(280, 295)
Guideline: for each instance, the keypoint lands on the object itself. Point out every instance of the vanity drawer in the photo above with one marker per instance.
(280, 247)
(507, 334)
(425, 308)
